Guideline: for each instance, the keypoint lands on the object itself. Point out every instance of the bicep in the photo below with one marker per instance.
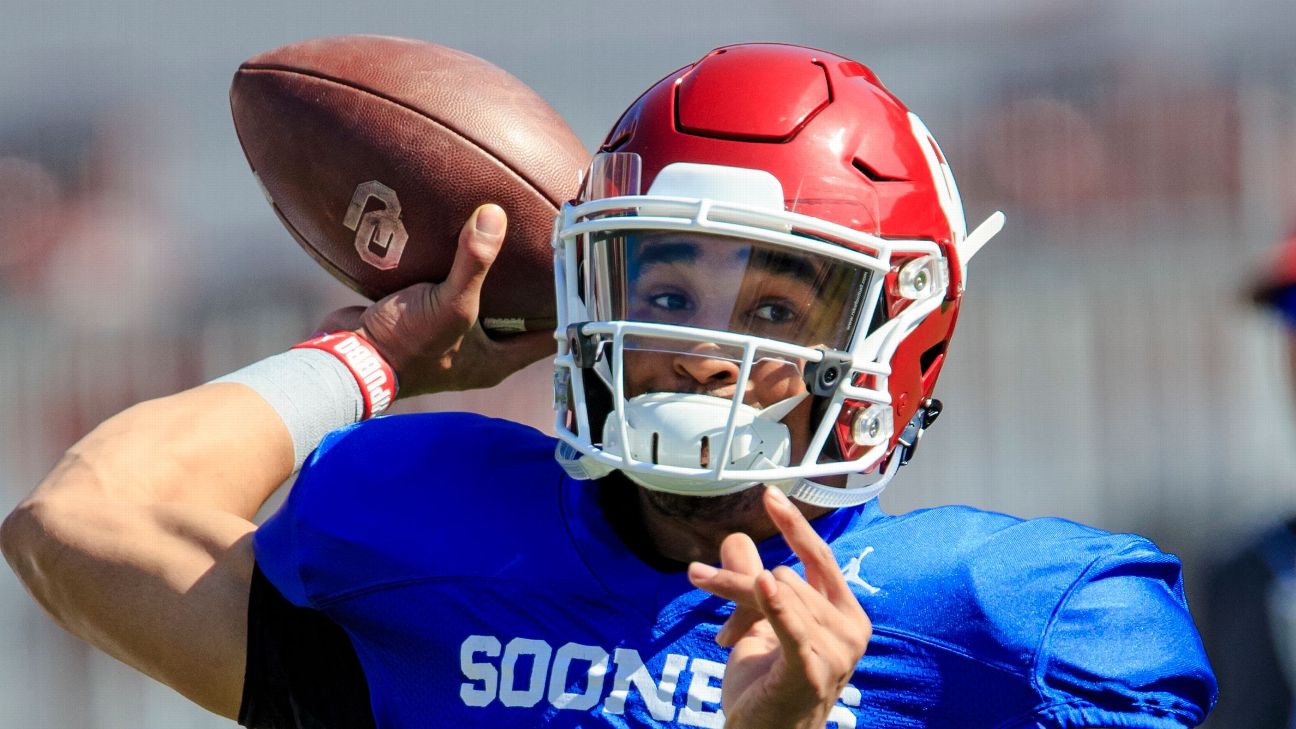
(161, 587)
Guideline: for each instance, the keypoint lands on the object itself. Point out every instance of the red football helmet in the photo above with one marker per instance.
(770, 206)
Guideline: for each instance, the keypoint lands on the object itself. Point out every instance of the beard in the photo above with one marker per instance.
(715, 510)
(625, 496)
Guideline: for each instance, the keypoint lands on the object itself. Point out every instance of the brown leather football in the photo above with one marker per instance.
(374, 151)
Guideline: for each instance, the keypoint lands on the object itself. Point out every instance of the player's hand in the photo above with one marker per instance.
(429, 333)
(795, 642)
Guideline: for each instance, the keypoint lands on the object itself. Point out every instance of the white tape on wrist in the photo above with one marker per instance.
(313, 392)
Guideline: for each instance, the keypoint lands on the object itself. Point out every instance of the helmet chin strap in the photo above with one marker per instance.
(831, 497)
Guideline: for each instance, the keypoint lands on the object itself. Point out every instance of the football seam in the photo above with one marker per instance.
(334, 80)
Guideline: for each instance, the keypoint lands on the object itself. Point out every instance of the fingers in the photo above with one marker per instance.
(818, 641)
(479, 243)
(738, 553)
(820, 563)
(801, 612)
(728, 584)
(741, 563)
(429, 332)
(737, 587)
(787, 615)
(850, 630)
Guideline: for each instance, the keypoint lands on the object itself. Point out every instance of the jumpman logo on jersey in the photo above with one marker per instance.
(852, 572)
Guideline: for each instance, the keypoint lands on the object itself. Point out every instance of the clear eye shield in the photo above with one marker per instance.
(724, 284)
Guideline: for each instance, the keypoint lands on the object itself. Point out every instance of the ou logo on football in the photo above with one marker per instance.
(379, 234)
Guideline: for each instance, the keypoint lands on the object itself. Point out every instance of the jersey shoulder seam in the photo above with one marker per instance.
(1026, 720)
(1037, 660)
(951, 648)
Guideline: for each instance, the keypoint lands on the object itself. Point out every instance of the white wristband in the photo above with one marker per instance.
(313, 392)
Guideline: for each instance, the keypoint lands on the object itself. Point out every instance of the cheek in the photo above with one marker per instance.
(774, 381)
(799, 428)
(644, 372)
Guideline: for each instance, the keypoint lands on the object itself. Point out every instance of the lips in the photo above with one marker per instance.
(724, 393)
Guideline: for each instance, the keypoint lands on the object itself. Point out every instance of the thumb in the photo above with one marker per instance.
(479, 243)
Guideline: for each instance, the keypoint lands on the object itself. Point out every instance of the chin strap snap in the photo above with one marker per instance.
(907, 443)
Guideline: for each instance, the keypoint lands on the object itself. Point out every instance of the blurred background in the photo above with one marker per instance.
(1108, 369)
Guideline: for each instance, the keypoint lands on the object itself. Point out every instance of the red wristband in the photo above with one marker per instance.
(375, 377)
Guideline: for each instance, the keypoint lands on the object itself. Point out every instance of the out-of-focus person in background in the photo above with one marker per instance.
(1251, 596)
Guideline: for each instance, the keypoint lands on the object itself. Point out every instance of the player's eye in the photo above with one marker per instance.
(670, 302)
(774, 313)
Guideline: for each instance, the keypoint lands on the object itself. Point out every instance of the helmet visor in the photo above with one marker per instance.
(727, 284)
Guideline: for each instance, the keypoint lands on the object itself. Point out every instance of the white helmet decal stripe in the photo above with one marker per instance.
(950, 200)
(942, 177)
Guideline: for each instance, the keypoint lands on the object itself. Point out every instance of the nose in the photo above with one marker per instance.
(705, 369)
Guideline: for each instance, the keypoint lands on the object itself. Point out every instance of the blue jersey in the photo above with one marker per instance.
(480, 586)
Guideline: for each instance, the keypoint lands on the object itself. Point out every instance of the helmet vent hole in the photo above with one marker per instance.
(655, 439)
(704, 453)
(873, 174)
(931, 357)
(623, 135)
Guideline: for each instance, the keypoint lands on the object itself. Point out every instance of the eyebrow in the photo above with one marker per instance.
(771, 261)
(655, 253)
(785, 264)
(778, 263)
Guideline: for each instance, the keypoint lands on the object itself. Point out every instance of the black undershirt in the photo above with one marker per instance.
(302, 671)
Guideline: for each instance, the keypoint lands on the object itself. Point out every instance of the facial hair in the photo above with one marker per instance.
(714, 510)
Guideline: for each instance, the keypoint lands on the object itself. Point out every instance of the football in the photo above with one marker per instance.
(374, 151)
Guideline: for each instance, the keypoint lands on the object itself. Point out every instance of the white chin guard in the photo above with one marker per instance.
(688, 431)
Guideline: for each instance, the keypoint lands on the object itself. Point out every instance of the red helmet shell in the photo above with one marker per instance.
(800, 114)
